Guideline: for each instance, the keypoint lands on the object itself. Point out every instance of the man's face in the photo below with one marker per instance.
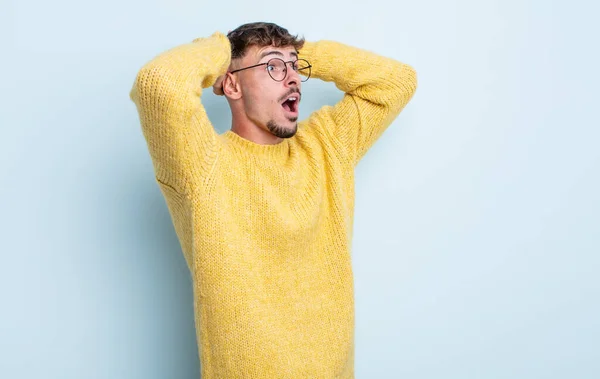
(271, 104)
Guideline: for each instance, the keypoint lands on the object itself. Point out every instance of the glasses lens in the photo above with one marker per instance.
(303, 68)
(276, 68)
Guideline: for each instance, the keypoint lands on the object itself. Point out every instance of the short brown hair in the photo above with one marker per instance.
(261, 34)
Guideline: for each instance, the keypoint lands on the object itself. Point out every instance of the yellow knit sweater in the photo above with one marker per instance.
(266, 230)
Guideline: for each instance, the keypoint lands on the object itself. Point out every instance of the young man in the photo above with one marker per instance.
(264, 212)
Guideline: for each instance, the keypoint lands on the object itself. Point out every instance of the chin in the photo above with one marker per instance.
(281, 131)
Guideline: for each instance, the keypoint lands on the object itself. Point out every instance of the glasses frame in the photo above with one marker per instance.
(285, 65)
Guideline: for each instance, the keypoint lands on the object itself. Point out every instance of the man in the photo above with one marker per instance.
(264, 212)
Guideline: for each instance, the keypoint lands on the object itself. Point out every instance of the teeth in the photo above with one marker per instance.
(292, 99)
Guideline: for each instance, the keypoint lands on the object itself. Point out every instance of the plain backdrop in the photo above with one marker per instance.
(477, 234)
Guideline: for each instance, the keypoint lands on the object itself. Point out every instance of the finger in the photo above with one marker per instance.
(218, 86)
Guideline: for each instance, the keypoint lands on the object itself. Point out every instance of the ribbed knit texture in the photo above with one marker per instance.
(266, 229)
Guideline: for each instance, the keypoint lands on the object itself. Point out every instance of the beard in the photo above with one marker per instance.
(281, 131)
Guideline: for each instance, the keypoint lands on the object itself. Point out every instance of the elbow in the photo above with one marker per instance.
(151, 81)
(406, 83)
(402, 83)
(142, 85)
(407, 80)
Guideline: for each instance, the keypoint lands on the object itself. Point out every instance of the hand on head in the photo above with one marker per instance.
(218, 86)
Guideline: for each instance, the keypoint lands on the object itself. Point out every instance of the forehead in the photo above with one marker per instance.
(264, 53)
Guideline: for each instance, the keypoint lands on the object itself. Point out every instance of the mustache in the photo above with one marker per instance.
(291, 92)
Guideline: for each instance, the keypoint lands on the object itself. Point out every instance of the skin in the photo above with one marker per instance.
(256, 99)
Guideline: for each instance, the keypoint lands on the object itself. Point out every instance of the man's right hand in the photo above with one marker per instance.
(218, 86)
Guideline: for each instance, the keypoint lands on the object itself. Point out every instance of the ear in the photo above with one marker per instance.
(231, 87)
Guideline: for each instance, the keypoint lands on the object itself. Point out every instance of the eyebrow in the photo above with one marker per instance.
(275, 52)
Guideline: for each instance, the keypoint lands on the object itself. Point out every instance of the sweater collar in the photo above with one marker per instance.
(245, 146)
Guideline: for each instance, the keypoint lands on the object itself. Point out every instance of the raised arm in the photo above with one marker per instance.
(166, 91)
(376, 90)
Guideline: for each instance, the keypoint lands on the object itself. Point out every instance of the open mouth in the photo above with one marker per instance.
(291, 103)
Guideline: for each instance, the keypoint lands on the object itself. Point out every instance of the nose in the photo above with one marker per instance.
(292, 77)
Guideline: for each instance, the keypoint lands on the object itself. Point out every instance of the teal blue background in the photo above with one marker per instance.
(477, 233)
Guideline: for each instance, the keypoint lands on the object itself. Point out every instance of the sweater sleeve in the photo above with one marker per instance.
(376, 89)
(181, 139)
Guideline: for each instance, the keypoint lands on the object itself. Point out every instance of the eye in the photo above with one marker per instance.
(276, 65)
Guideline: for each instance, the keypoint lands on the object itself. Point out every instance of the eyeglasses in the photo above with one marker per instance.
(277, 68)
